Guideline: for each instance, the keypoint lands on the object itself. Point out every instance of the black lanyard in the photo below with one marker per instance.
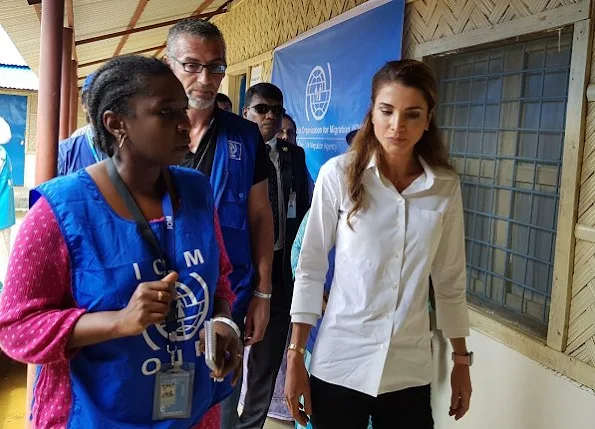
(147, 233)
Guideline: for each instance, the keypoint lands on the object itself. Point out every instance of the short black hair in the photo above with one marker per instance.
(286, 116)
(350, 135)
(264, 90)
(195, 27)
(222, 98)
(118, 81)
(84, 97)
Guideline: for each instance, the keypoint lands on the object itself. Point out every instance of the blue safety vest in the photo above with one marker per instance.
(113, 382)
(231, 178)
(78, 152)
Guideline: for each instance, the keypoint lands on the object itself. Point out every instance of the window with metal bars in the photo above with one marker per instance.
(502, 111)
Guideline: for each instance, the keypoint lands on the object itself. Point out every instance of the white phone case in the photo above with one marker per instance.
(210, 345)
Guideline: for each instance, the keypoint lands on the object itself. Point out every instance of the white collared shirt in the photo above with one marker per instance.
(375, 335)
(274, 155)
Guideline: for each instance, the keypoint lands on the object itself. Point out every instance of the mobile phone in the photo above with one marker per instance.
(210, 346)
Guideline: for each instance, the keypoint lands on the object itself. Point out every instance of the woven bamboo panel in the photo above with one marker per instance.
(427, 20)
(270, 23)
(256, 26)
(581, 332)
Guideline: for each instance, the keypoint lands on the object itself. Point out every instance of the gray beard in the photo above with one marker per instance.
(199, 103)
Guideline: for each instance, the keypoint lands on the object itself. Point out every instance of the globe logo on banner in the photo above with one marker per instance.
(318, 92)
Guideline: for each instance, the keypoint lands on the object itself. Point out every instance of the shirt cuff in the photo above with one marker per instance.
(455, 333)
(307, 318)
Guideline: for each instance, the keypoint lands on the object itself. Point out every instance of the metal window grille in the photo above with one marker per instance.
(503, 112)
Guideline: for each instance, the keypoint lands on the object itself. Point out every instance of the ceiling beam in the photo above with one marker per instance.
(202, 7)
(140, 7)
(142, 51)
(139, 29)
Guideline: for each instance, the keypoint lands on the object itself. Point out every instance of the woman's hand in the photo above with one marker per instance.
(460, 381)
(149, 305)
(229, 355)
(297, 384)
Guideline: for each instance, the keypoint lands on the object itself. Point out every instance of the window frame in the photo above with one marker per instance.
(550, 351)
(534, 328)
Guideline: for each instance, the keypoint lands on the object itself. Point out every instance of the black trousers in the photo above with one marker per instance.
(266, 356)
(336, 406)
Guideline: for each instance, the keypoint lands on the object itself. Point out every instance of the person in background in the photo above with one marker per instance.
(111, 312)
(288, 131)
(350, 136)
(81, 149)
(231, 152)
(85, 106)
(392, 208)
(223, 102)
(289, 200)
(7, 208)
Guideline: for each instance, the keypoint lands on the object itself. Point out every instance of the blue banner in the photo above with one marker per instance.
(326, 74)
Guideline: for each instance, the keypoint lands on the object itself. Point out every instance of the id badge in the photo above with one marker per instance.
(173, 392)
(291, 206)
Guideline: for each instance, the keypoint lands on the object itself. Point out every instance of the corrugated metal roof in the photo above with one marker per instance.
(18, 77)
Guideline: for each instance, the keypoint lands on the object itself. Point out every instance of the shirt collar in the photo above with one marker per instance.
(272, 143)
(429, 172)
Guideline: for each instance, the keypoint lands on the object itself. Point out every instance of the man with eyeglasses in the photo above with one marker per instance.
(289, 195)
(231, 151)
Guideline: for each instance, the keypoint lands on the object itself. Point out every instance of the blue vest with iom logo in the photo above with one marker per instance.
(113, 382)
(231, 178)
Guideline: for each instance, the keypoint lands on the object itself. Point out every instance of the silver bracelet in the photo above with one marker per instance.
(262, 295)
(229, 323)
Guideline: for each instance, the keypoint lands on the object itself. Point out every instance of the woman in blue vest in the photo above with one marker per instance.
(117, 267)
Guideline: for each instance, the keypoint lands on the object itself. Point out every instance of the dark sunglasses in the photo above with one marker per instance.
(263, 109)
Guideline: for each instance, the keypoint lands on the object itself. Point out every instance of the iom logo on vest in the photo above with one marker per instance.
(235, 150)
(318, 92)
(191, 311)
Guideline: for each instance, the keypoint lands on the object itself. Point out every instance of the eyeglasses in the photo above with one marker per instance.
(197, 67)
(263, 109)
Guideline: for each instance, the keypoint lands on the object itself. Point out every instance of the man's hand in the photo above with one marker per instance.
(257, 320)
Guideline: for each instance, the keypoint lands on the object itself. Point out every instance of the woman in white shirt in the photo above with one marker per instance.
(392, 208)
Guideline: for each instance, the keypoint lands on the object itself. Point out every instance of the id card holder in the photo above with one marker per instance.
(173, 392)
(291, 206)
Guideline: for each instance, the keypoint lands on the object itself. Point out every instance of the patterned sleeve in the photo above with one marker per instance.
(297, 243)
(37, 309)
(223, 290)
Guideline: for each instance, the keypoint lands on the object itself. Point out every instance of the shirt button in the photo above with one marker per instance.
(400, 200)
(397, 256)
(398, 228)
(241, 195)
(382, 346)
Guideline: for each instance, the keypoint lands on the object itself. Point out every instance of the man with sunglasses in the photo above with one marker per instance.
(289, 195)
(231, 151)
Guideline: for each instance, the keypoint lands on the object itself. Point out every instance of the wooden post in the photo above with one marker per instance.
(74, 96)
(66, 85)
(48, 119)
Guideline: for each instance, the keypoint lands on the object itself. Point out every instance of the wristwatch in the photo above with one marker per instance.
(463, 359)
